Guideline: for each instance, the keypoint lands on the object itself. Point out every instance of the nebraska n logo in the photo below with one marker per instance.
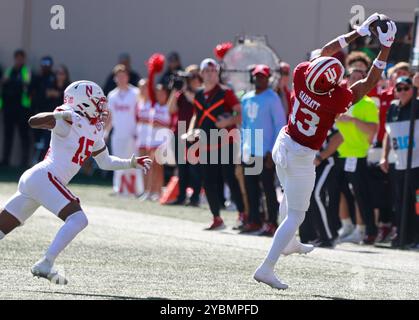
(89, 90)
(331, 75)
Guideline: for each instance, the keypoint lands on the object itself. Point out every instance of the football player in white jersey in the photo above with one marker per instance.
(77, 134)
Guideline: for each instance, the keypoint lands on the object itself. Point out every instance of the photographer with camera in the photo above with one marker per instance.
(173, 66)
(184, 85)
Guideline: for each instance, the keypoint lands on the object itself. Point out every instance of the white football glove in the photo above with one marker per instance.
(387, 38)
(143, 163)
(364, 29)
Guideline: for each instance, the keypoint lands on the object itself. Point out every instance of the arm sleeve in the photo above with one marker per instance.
(108, 162)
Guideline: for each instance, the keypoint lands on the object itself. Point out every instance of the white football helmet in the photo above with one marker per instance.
(87, 98)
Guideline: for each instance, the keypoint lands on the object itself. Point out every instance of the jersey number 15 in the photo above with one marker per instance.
(85, 144)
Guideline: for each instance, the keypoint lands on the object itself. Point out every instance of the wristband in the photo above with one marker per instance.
(379, 64)
(342, 41)
(63, 115)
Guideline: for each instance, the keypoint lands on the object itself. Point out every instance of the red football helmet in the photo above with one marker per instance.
(324, 74)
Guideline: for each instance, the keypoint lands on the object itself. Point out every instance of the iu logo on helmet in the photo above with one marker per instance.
(331, 75)
(89, 90)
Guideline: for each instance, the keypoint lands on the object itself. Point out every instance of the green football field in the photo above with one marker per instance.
(141, 250)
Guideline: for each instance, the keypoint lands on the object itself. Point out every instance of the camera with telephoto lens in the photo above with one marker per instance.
(178, 80)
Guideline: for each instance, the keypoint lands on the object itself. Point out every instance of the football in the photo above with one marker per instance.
(381, 22)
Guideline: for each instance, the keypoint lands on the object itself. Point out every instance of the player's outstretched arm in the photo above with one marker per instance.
(362, 87)
(342, 41)
(47, 120)
(112, 163)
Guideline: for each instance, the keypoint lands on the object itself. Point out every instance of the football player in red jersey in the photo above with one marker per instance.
(316, 102)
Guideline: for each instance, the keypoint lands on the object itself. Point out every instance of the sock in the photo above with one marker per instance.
(283, 236)
(283, 208)
(73, 225)
(346, 222)
(2, 235)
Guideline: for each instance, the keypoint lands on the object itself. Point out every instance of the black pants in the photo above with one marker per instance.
(381, 194)
(42, 139)
(16, 116)
(189, 174)
(362, 193)
(412, 218)
(253, 188)
(210, 174)
(322, 218)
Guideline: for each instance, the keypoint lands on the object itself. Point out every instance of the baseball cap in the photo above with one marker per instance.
(284, 67)
(261, 69)
(46, 61)
(405, 80)
(124, 56)
(208, 62)
(173, 57)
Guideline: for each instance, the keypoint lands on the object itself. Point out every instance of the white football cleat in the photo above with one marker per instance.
(268, 277)
(44, 269)
(295, 246)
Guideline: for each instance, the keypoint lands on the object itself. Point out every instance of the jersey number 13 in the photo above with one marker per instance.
(311, 120)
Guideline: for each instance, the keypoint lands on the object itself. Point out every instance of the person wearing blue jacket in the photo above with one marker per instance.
(263, 116)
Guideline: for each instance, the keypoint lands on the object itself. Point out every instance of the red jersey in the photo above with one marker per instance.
(313, 115)
(382, 99)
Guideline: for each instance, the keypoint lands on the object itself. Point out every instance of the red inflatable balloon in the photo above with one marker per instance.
(221, 49)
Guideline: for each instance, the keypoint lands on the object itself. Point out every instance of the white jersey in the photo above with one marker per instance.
(122, 105)
(144, 124)
(161, 125)
(71, 144)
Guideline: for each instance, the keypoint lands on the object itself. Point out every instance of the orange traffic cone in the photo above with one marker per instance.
(171, 192)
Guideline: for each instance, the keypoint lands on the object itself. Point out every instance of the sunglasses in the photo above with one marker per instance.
(404, 88)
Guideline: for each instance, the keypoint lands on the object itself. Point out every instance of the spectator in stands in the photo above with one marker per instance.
(174, 65)
(396, 138)
(261, 110)
(282, 87)
(358, 127)
(160, 120)
(56, 92)
(134, 77)
(16, 104)
(400, 69)
(41, 102)
(358, 60)
(217, 107)
(181, 102)
(144, 128)
(122, 102)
